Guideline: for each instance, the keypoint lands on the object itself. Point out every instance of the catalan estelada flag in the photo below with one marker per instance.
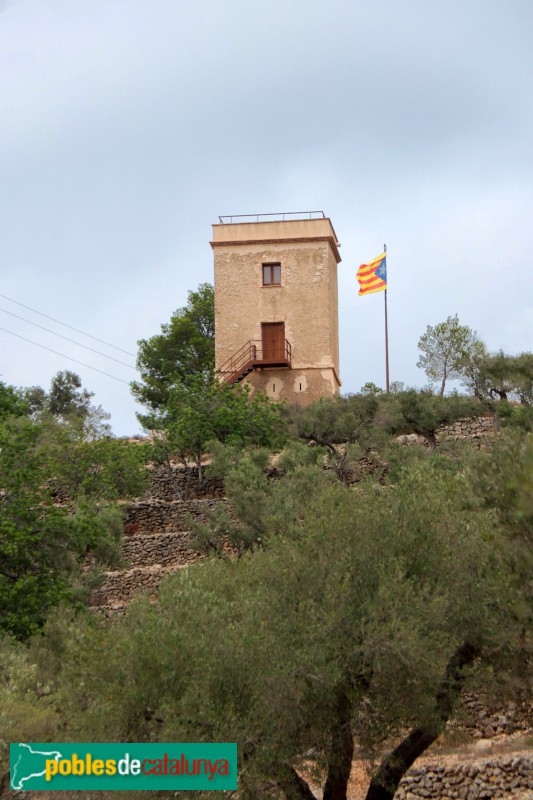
(372, 277)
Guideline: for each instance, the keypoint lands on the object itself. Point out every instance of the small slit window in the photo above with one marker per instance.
(271, 274)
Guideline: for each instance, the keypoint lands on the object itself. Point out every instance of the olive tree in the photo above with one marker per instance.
(360, 619)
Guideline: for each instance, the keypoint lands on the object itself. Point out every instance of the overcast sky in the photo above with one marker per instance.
(128, 126)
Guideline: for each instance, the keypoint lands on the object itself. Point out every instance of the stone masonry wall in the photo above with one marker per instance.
(483, 720)
(145, 550)
(157, 533)
(476, 430)
(469, 428)
(121, 586)
(183, 484)
(498, 778)
(161, 516)
(157, 541)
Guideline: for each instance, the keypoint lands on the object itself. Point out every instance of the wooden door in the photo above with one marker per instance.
(273, 340)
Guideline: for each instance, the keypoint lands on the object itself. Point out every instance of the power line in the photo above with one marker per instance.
(64, 356)
(102, 341)
(79, 344)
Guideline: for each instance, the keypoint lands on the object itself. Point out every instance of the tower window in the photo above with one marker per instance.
(271, 274)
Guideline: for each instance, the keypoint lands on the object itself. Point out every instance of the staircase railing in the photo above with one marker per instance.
(250, 356)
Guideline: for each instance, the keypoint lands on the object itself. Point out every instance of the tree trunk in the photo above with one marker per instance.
(341, 755)
(394, 766)
(339, 459)
(502, 393)
(188, 476)
(431, 440)
(170, 472)
(443, 384)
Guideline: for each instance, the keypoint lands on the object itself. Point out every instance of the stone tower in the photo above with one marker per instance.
(276, 317)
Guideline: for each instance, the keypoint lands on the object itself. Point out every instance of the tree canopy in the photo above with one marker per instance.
(505, 376)
(199, 410)
(11, 402)
(67, 402)
(446, 350)
(185, 347)
(56, 511)
(366, 420)
(424, 413)
(342, 619)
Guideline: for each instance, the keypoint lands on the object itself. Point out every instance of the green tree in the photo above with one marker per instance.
(67, 402)
(524, 380)
(185, 346)
(504, 375)
(67, 398)
(344, 426)
(199, 410)
(371, 388)
(56, 511)
(447, 350)
(35, 399)
(11, 402)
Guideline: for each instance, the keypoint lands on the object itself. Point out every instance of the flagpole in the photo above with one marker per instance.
(386, 337)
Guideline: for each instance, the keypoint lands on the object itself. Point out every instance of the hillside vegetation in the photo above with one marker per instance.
(356, 590)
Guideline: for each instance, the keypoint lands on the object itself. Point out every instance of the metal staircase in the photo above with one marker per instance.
(252, 356)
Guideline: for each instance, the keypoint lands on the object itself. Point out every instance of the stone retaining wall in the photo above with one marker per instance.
(122, 586)
(183, 485)
(498, 778)
(160, 516)
(476, 430)
(157, 541)
(469, 428)
(144, 550)
(482, 720)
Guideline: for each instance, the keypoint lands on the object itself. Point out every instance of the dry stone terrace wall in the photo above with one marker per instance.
(510, 776)
(160, 516)
(157, 541)
(181, 484)
(476, 430)
(483, 721)
(157, 533)
(121, 586)
(146, 550)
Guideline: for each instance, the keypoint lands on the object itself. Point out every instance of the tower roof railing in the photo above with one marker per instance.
(280, 216)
